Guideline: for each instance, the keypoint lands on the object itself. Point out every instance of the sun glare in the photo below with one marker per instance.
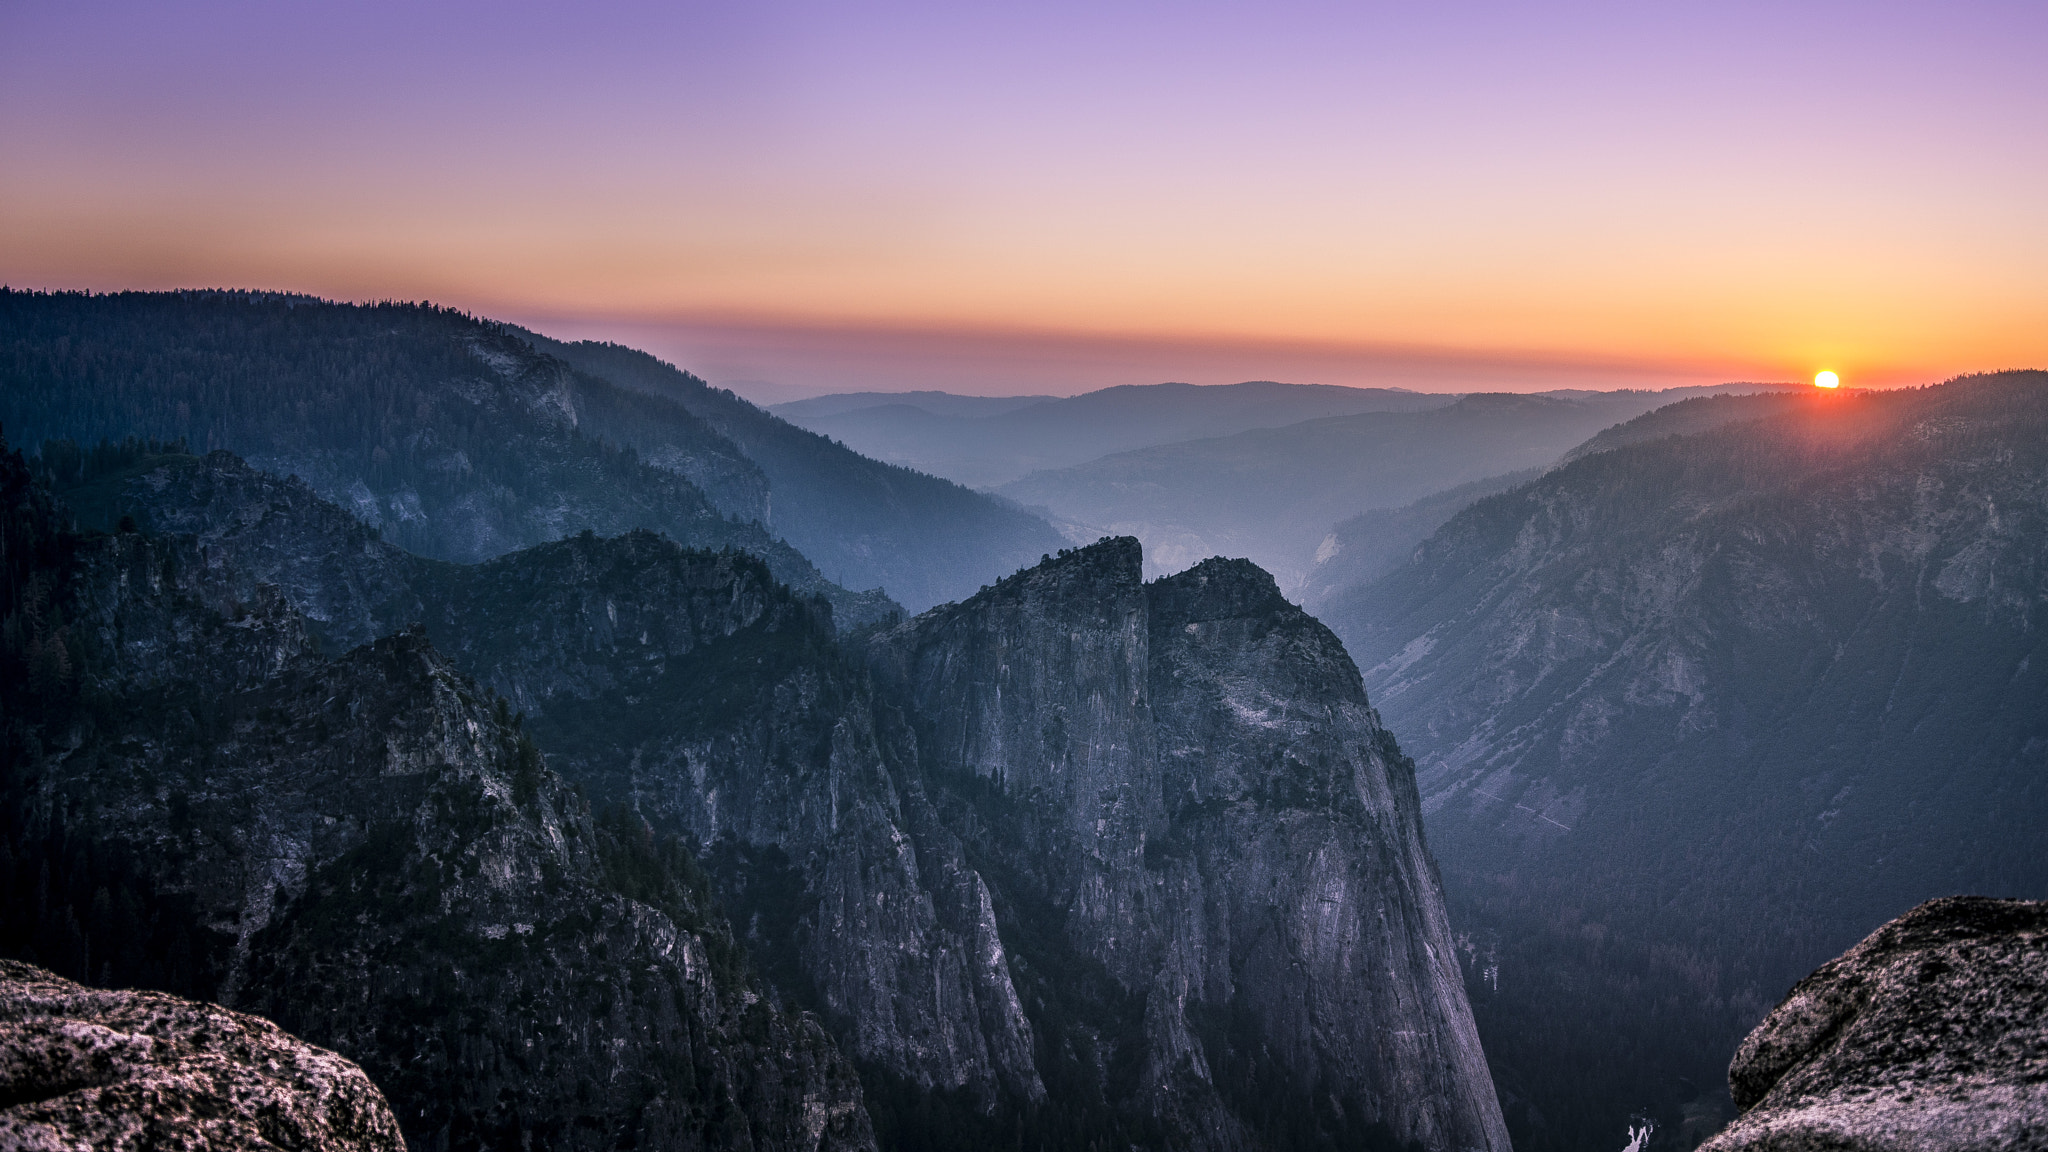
(1827, 380)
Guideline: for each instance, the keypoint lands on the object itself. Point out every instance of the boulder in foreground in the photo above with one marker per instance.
(82, 1067)
(1932, 1035)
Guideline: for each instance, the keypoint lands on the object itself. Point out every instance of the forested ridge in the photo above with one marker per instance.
(1693, 714)
(446, 433)
(925, 539)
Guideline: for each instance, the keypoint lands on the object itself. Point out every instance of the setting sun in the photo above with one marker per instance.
(1827, 380)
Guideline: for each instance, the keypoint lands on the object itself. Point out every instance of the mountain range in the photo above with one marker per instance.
(461, 439)
(497, 712)
(1023, 868)
(930, 402)
(923, 539)
(985, 443)
(1275, 494)
(1696, 709)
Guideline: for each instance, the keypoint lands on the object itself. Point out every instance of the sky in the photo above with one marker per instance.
(793, 198)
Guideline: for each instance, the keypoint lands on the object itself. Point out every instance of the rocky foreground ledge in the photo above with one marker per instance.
(115, 1071)
(1930, 1035)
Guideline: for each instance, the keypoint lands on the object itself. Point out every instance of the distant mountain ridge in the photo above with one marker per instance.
(935, 403)
(461, 439)
(449, 436)
(988, 450)
(1371, 544)
(926, 539)
(1273, 495)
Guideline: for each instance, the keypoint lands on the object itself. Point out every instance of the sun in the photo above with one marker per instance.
(1827, 380)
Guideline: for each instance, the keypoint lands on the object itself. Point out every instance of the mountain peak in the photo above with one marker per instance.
(1217, 588)
(1093, 573)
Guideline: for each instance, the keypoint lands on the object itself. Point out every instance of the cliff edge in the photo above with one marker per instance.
(1932, 1034)
(81, 1067)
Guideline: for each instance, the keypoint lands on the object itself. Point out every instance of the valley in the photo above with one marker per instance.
(499, 713)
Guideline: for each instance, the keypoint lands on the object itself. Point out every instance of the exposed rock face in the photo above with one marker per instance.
(695, 687)
(1039, 687)
(253, 528)
(1317, 912)
(1193, 794)
(1115, 861)
(368, 850)
(1931, 1035)
(121, 1071)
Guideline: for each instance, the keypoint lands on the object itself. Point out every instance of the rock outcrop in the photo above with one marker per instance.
(145, 1072)
(1931, 1035)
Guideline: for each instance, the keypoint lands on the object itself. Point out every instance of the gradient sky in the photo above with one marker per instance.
(798, 197)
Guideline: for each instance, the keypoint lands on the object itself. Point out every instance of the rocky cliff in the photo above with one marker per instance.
(1931, 1034)
(1180, 785)
(1317, 914)
(1075, 859)
(368, 850)
(1108, 858)
(140, 1071)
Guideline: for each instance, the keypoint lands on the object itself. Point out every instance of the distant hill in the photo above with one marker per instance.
(1698, 414)
(451, 437)
(935, 403)
(924, 539)
(1693, 713)
(1272, 495)
(989, 449)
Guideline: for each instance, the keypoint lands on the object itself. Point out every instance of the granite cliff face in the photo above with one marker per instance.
(1117, 858)
(1932, 1034)
(1182, 784)
(368, 850)
(1317, 912)
(141, 1071)
(1078, 858)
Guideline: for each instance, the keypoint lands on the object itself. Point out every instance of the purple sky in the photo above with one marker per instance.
(809, 197)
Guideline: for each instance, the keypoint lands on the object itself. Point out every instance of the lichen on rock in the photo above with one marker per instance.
(113, 1071)
(1932, 1035)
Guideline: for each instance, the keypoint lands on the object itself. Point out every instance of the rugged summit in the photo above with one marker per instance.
(368, 850)
(1931, 1034)
(1121, 860)
(1182, 784)
(141, 1071)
